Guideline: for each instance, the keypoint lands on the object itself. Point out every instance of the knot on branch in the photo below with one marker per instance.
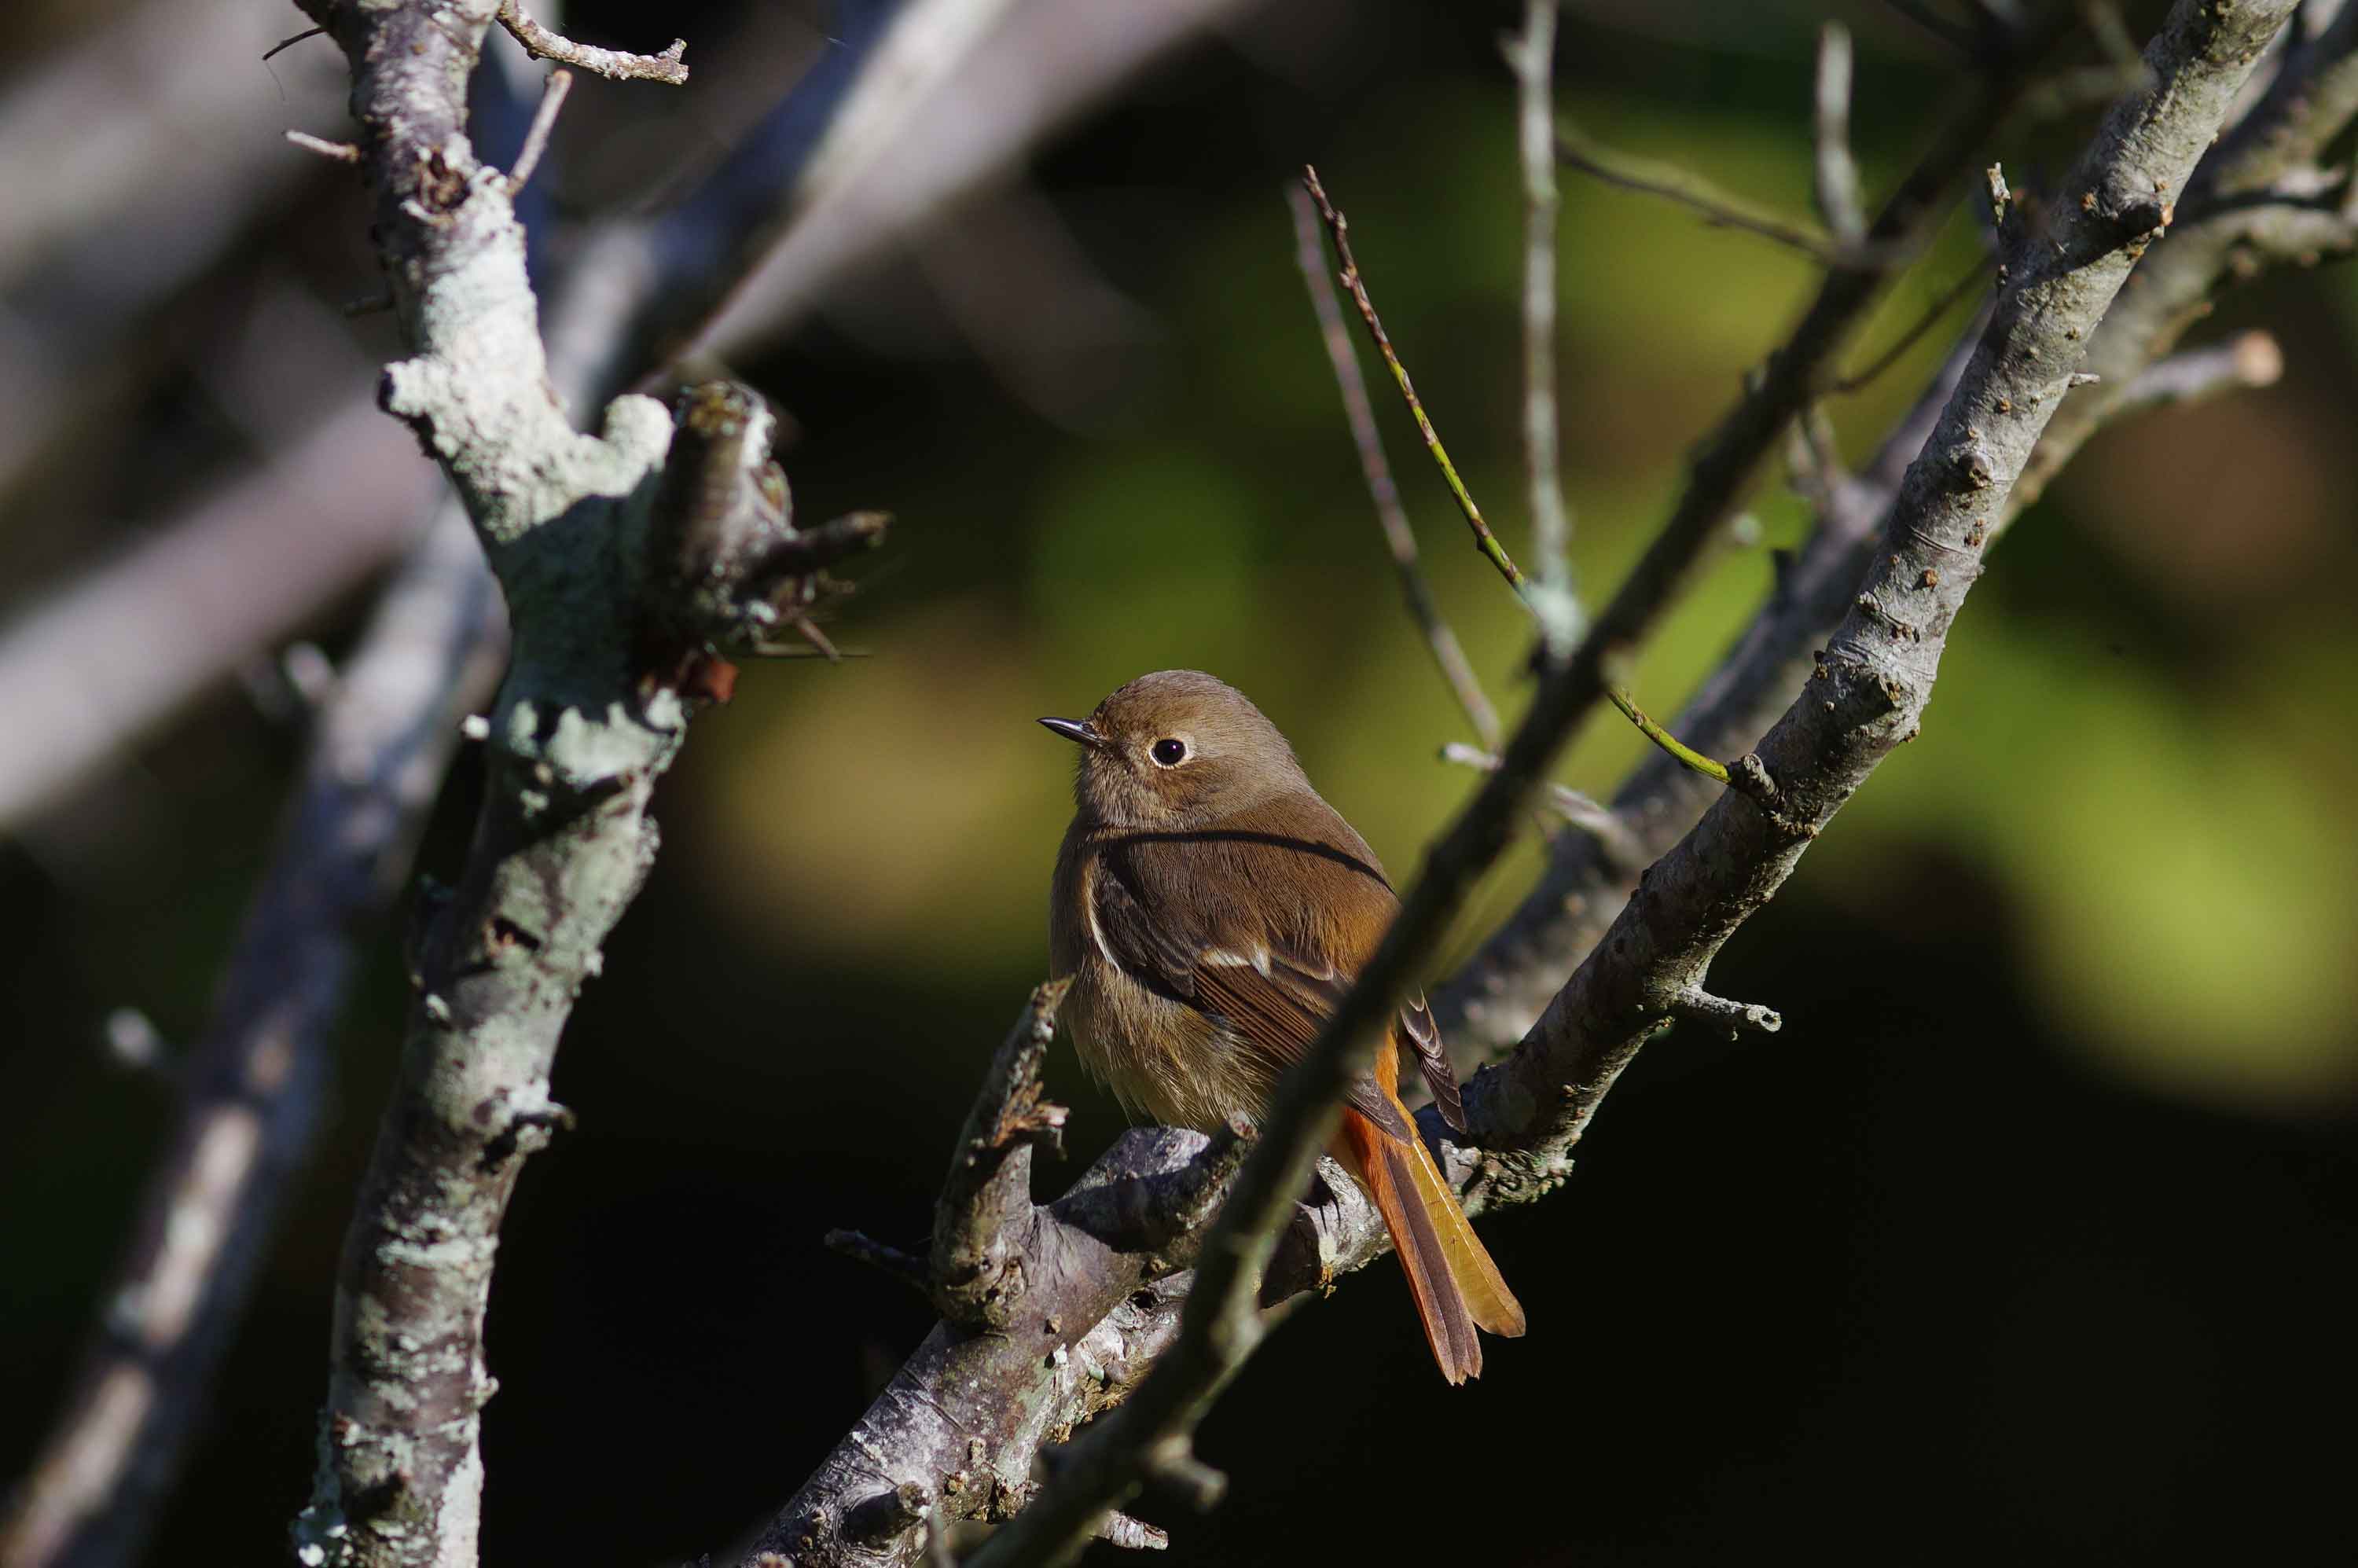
(1157, 1189)
(881, 1515)
(984, 1220)
(1512, 1176)
(1337, 1230)
(726, 570)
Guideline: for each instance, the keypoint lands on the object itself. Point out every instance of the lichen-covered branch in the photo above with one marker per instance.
(617, 64)
(254, 1086)
(625, 583)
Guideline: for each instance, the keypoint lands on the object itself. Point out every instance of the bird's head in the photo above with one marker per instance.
(1177, 750)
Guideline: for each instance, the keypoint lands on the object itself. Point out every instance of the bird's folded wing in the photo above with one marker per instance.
(1224, 963)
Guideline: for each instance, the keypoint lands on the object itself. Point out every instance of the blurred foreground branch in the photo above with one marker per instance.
(254, 1087)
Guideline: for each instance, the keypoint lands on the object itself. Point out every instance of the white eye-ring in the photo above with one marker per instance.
(1169, 751)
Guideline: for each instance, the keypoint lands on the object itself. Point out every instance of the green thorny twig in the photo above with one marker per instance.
(1338, 230)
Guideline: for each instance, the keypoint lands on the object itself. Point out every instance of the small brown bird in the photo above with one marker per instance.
(1212, 910)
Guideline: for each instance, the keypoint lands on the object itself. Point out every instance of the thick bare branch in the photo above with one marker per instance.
(1876, 673)
(1500, 993)
(955, 1434)
(2235, 227)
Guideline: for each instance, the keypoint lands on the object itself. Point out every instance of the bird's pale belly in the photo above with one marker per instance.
(1163, 1060)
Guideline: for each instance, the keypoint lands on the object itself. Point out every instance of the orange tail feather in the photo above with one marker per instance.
(1455, 1285)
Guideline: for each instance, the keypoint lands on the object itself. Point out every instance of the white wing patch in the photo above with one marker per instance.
(1097, 932)
(1221, 957)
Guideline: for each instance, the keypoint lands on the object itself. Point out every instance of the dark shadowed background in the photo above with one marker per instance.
(2030, 1238)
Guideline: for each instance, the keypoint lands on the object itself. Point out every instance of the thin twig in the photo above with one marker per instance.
(544, 120)
(1586, 813)
(1338, 230)
(2080, 87)
(1651, 176)
(1310, 251)
(337, 152)
(287, 43)
(1837, 171)
(2248, 360)
(1944, 302)
(1532, 58)
(883, 1257)
(1687, 756)
(616, 64)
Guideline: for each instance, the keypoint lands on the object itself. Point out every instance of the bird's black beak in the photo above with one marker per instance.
(1074, 729)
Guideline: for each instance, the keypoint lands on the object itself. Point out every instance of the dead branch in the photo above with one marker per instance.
(616, 65)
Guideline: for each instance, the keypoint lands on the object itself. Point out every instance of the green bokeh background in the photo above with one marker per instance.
(2029, 1234)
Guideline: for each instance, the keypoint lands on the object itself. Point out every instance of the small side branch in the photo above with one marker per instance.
(617, 65)
(1837, 172)
(1651, 176)
(1498, 996)
(2245, 361)
(1878, 672)
(1532, 58)
(1686, 755)
(886, 1259)
(1942, 305)
(1589, 815)
(334, 152)
(1695, 1005)
(544, 121)
(980, 1234)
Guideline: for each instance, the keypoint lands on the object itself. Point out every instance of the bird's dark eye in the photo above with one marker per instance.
(1169, 753)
